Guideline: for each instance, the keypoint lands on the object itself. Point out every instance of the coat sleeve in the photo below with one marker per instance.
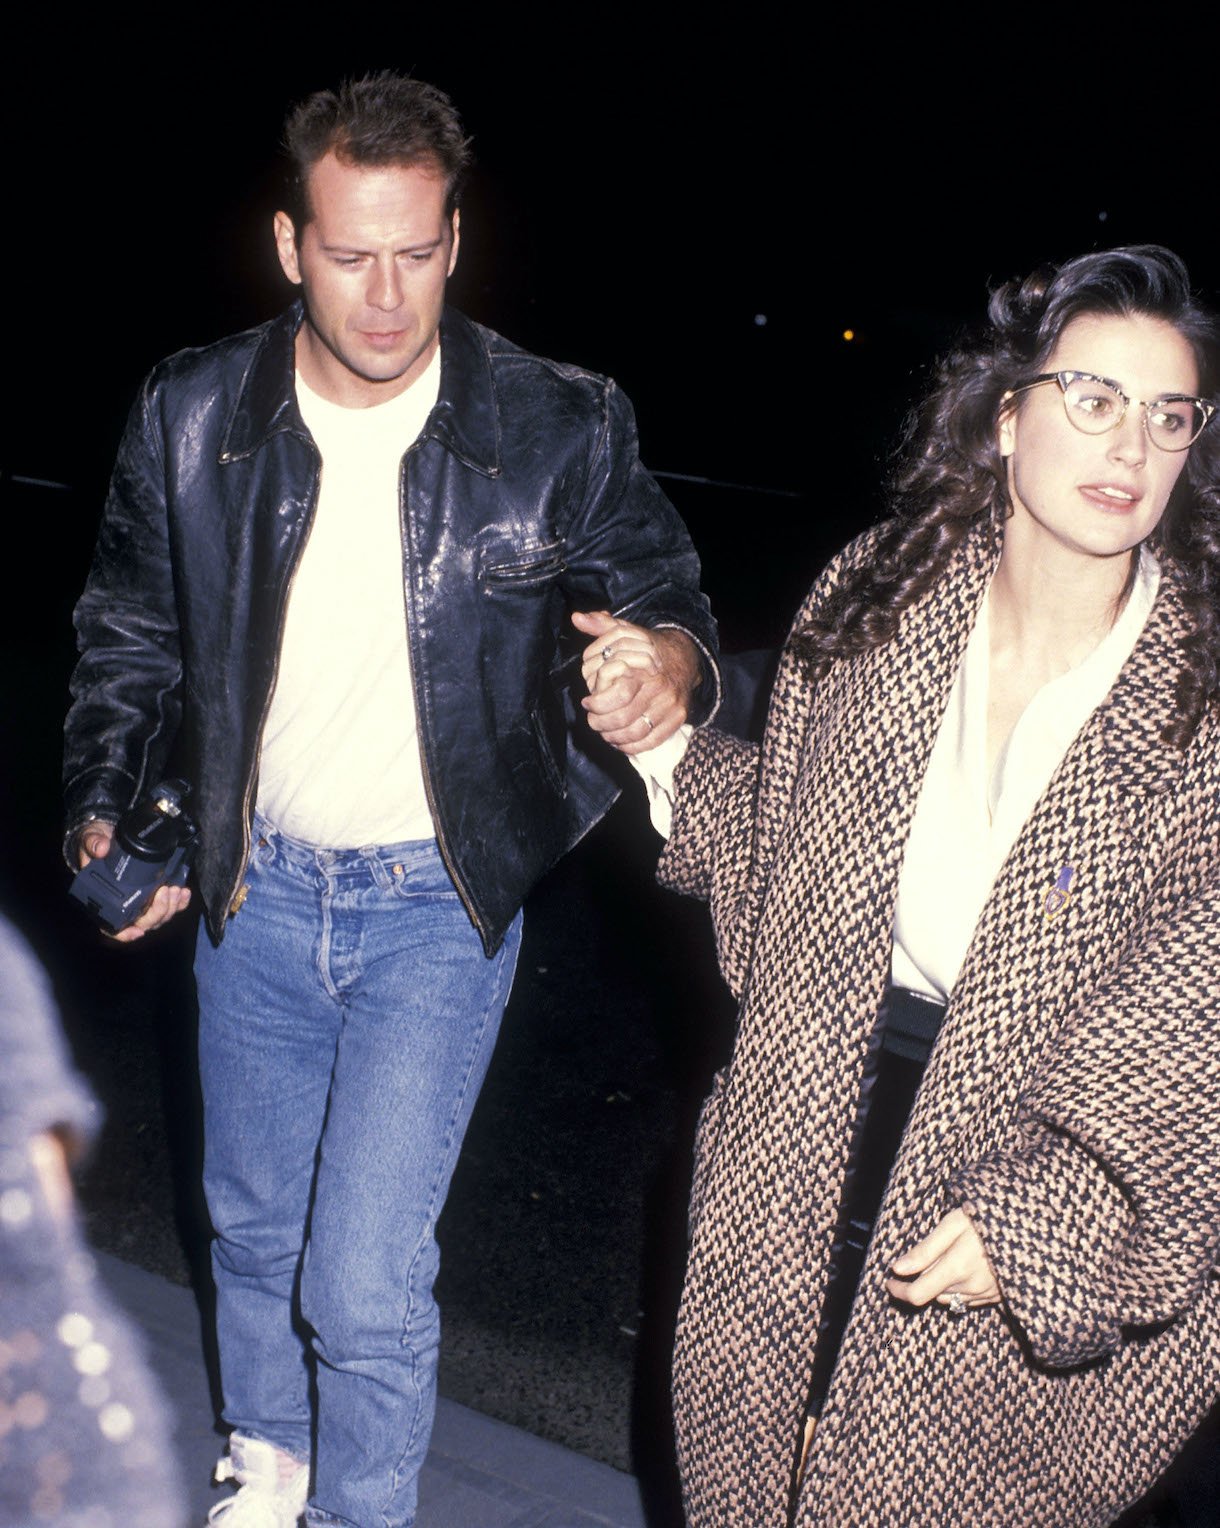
(628, 551)
(126, 701)
(731, 798)
(1107, 1218)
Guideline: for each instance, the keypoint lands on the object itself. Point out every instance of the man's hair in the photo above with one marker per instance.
(381, 119)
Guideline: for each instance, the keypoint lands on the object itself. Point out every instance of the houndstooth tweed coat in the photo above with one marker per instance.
(1071, 1106)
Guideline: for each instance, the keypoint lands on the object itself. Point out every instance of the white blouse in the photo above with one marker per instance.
(965, 823)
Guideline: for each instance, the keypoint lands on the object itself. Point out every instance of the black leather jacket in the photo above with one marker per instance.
(522, 499)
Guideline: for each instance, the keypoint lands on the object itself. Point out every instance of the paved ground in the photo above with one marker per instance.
(480, 1473)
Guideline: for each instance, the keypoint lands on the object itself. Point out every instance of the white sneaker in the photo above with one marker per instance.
(272, 1486)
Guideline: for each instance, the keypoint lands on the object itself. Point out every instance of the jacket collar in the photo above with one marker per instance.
(465, 419)
(267, 401)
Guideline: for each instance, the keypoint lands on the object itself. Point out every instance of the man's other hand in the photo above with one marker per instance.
(640, 680)
(93, 842)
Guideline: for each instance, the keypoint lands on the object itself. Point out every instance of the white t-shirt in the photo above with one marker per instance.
(340, 764)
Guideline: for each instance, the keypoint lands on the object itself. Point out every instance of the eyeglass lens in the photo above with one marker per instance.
(1094, 407)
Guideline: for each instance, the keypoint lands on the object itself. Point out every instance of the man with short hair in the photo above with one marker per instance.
(333, 584)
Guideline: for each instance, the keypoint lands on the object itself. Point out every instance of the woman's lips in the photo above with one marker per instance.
(1111, 496)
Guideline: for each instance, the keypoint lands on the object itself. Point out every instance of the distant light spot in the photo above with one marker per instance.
(54, 1469)
(849, 335)
(93, 1358)
(74, 1329)
(760, 320)
(25, 1347)
(1102, 216)
(16, 1207)
(94, 1391)
(47, 1503)
(31, 1410)
(116, 1422)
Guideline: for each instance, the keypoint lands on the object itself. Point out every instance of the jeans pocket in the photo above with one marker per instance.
(421, 876)
(259, 859)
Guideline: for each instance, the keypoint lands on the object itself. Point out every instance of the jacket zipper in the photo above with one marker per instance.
(247, 795)
(408, 547)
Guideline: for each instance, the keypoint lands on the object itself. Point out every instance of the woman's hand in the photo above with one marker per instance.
(951, 1260)
(640, 680)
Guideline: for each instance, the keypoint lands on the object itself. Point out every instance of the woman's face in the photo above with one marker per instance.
(1096, 495)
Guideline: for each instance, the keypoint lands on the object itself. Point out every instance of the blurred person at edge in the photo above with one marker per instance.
(83, 1436)
(333, 583)
(956, 1209)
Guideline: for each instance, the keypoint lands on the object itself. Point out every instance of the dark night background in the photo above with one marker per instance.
(702, 215)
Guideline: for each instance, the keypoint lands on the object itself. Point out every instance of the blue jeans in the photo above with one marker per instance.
(345, 1026)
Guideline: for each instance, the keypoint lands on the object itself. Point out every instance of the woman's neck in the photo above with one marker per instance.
(1050, 606)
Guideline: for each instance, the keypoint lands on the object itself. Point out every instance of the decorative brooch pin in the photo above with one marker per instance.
(1057, 897)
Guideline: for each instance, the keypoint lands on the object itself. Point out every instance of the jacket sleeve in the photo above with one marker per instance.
(126, 688)
(1108, 1215)
(628, 551)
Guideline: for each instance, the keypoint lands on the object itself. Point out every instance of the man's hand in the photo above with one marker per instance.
(94, 841)
(640, 681)
(950, 1260)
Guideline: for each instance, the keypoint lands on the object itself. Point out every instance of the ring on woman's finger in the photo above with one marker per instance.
(607, 652)
(956, 1303)
(649, 720)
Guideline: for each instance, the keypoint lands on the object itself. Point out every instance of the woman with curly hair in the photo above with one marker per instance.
(956, 1195)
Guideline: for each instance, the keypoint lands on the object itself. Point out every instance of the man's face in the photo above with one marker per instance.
(372, 263)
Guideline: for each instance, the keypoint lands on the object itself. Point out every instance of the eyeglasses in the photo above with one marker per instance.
(1096, 404)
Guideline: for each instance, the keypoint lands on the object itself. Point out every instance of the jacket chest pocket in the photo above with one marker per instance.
(525, 568)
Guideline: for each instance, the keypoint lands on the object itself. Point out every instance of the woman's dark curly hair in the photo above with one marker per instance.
(950, 474)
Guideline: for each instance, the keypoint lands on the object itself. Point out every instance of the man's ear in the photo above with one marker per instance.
(286, 247)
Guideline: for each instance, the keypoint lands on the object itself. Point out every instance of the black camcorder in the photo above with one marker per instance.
(154, 844)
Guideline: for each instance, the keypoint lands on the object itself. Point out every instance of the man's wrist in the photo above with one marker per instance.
(700, 672)
(679, 658)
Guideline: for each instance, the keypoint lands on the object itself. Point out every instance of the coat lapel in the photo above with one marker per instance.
(1140, 766)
